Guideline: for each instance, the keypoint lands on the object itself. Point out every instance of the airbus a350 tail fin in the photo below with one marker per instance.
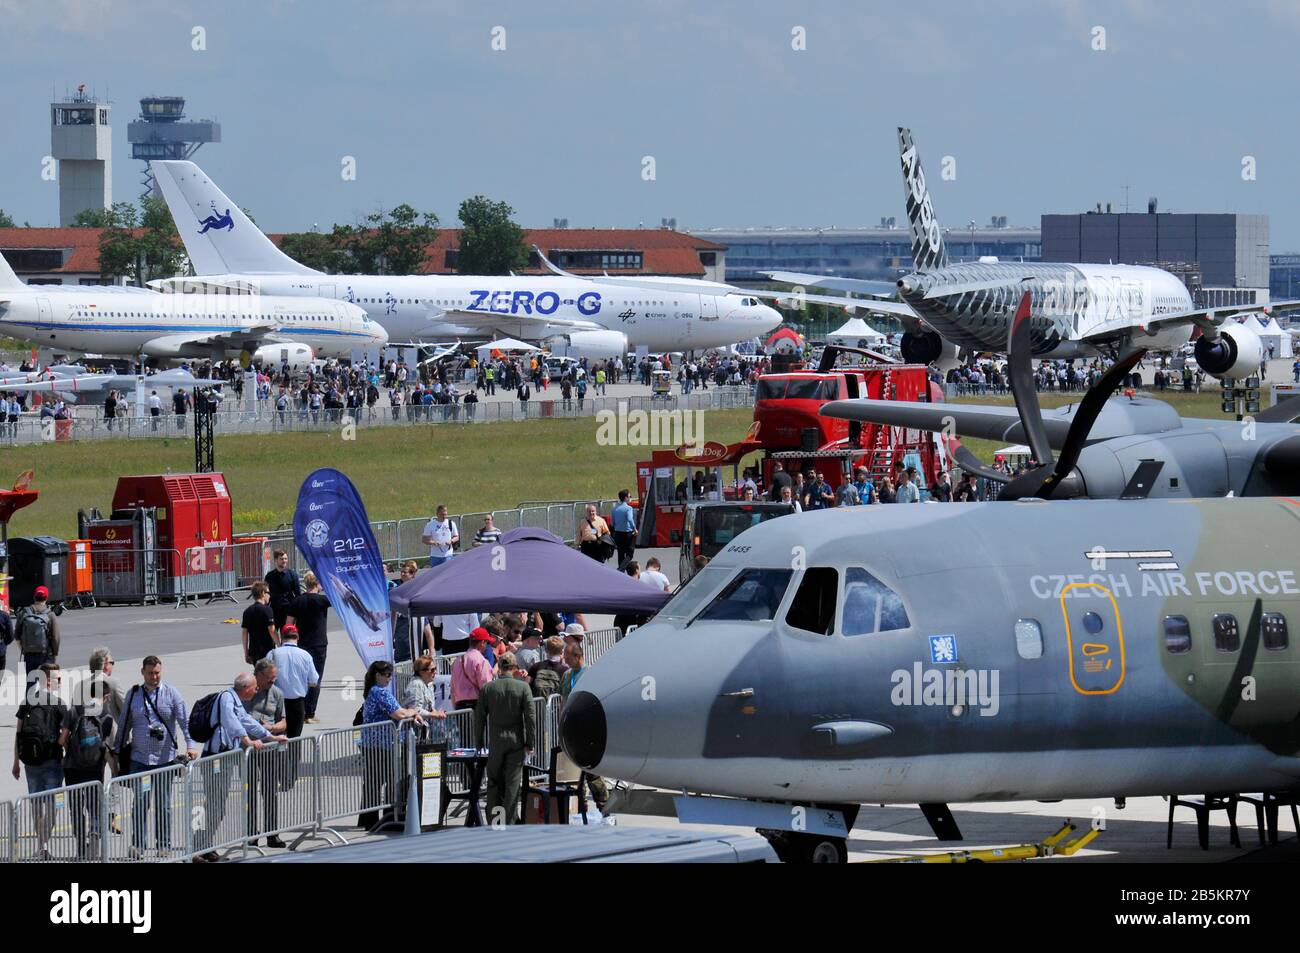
(218, 236)
(7, 277)
(928, 252)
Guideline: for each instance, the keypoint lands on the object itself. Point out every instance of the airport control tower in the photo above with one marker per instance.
(82, 140)
(162, 132)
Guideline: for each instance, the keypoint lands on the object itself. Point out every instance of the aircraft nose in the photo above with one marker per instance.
(583, 730)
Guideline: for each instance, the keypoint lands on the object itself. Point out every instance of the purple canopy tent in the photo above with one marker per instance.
(527, 569)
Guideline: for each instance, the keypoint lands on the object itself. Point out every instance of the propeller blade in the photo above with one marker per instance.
(1020, 369)
(1085, 416)
(971, 464)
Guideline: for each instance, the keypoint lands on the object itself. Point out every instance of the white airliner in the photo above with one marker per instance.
(1078, 310)
(592, 317)
(128, 322)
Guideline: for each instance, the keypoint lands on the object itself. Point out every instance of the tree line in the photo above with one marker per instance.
(140, 243)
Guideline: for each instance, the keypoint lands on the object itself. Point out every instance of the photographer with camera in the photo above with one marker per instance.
(145, 741)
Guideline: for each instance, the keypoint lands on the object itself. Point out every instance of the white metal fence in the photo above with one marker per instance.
(90, 424)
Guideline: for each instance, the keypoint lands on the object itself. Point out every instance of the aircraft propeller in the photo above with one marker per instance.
(1050, 474)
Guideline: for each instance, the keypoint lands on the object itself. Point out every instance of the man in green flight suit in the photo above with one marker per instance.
(506, 705)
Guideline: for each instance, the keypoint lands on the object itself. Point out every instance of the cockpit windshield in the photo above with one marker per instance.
(870, 606)
(753, 596)
(702, 586)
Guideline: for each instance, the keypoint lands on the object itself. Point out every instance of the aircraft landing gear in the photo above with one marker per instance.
(794, 847)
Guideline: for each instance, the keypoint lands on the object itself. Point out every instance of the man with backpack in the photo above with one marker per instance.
(85, 755)
(37, 632)
(545, 675)
(221, 722)
(151, 712)
(44, 722)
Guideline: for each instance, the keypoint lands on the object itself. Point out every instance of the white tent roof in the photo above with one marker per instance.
(854, 329)
(506, 344)
(1273, 327)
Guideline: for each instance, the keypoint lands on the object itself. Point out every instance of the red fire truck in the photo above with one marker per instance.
(788, 427)
(787, 410)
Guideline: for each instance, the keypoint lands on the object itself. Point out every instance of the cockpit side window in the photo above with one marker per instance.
(753, 596)
(870, 606)
(813, 606)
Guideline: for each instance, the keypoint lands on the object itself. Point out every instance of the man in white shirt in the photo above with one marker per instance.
(455, 631)
(155, 409)
(652, 575)
(441, 536)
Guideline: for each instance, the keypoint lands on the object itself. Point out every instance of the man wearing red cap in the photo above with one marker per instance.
(37, 632)
(472, 670)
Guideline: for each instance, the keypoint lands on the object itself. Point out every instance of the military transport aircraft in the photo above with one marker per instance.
(964, 653)
(1109, 447)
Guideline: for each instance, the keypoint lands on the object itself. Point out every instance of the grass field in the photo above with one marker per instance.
(399, 471)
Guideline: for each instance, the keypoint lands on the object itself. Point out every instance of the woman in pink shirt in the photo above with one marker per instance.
(471, 671)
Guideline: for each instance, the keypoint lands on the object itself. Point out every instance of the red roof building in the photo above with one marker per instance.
(71, 255)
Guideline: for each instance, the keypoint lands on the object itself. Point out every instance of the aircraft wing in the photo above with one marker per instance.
(87, 383)
(991, 422)
(527, 324)
(898, 309)
(876, 289)
(171, 344)
(1207, 319)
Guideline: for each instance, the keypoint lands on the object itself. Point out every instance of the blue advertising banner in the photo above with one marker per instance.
(333, 534)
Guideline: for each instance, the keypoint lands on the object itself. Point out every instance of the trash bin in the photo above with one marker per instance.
(37, 561)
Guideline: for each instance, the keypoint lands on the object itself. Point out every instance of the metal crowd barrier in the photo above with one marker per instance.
(217, 803)
(8, 832)
(357, 770)
(597, 642)
(547, 712)
(215, 800)
(137, 576)
(92, 425)
(153, 816)
(59, 825)
(283, 794)
(400, 540)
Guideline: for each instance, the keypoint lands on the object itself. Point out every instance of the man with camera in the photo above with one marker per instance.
(151, 714)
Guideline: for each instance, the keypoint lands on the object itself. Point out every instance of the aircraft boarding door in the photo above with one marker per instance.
(328, 292)
(1094, 636)
(708, 308)
(44, 313)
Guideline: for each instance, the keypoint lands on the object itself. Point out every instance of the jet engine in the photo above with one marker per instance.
(927, 347)
(273, 356)
(593, 345)
(1236, 352)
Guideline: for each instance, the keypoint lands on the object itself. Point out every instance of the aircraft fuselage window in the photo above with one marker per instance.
(753, 596)
(1276, 636)
(1178, 634)
(1092, 623)
(1227, 634)
(870, 606)
(1029, 639)
(813, 607)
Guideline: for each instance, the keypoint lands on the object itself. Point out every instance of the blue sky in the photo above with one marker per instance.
(744, 130)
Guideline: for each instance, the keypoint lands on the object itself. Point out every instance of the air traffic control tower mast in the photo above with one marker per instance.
(82, 140)
(162, 132)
